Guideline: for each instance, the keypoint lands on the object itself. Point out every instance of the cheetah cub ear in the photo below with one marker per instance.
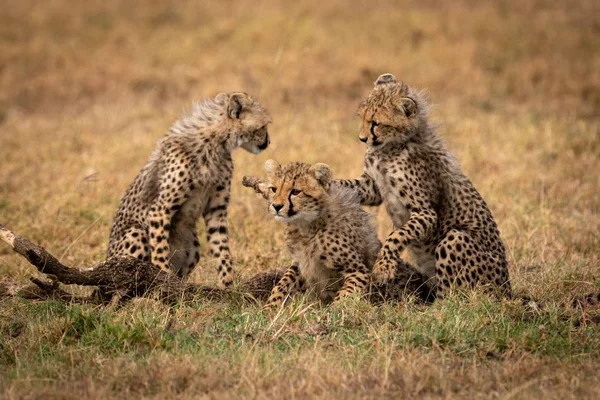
(222, 98)
(361, 108)
(271, 166)
(407, 105)
(322, 172)
(385, 79)
(234, 107)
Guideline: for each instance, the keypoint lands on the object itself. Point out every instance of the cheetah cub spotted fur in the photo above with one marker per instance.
(332, 240)
(436, 211)
(188, 176)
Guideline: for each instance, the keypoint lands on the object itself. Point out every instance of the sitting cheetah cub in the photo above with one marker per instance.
(332, 240)
(187, 176)
(437, 212)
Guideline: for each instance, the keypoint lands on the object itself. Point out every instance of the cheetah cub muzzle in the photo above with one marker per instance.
(188, 176)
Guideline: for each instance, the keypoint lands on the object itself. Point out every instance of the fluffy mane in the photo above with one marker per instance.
(203, 115)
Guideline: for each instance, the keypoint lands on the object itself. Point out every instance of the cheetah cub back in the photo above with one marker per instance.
(188, 176)
(332, 240)
(436, 211)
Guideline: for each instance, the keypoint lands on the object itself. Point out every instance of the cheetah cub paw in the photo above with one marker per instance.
(383, 271)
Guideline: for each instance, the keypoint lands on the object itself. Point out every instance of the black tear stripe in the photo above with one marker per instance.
(291, 211)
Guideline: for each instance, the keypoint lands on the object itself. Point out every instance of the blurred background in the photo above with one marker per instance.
(87, 88)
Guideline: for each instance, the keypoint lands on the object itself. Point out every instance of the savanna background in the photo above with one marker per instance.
(87, 88)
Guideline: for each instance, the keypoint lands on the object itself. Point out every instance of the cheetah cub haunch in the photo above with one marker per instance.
(332, 240)
(188, 176)
(436, 211)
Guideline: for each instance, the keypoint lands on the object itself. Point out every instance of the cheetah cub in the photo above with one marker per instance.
(332, 240)
(188, 176)
(436, 211)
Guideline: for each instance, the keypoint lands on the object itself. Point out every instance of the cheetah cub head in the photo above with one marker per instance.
(297, 191)
(247, 121)
(393, 112)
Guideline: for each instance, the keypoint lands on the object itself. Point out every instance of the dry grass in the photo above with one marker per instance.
(87, 89)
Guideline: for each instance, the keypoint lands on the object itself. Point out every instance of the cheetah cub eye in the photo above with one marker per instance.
(296, 192)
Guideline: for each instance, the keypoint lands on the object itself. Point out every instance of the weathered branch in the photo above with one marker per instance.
(40, 290)
(259, 186)
(121, 277)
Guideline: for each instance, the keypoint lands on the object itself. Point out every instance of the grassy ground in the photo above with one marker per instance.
(88, 88)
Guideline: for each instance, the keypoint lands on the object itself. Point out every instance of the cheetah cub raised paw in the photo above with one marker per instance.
(436, 211)
(332, 240)
(188, 176)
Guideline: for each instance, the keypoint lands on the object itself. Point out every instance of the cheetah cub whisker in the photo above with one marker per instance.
(332, 240)
(188, 176)
(436, 211)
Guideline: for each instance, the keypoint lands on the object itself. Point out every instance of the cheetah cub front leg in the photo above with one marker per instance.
(354, 280)
(419, 227)
(215, 218)
(161, 213)
(288, 282)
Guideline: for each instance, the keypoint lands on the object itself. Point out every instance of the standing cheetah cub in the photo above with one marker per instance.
(436, 211)
(332, 240)
(187, 176)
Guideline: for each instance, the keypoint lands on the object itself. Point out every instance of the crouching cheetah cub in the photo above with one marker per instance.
(436, 211)
(332, 240)
(187, 176)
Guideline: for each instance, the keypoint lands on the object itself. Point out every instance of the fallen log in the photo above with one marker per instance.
(119, 279)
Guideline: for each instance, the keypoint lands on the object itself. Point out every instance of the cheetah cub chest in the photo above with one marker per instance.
(394, 205)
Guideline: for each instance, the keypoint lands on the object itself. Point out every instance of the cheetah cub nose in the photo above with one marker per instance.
(277, 207)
